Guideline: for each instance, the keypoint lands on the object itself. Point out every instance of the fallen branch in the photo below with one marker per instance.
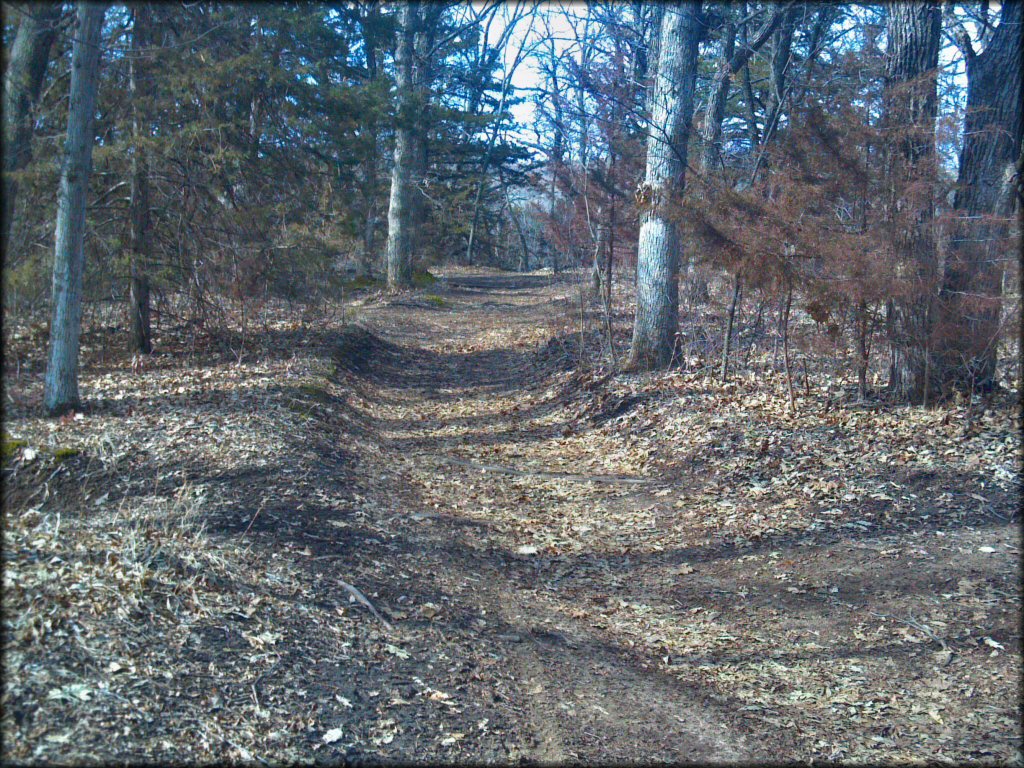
(260, 509)
(362, 599)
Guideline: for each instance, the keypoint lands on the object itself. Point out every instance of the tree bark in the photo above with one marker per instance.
(737, 290)
(399, 256)
(971, 296)
(657, 312)
(61, 385)
(367, 257)
(785, 346)
(909, 104)
(782, 56)
(23, 82)
(140, 86)
(863, 350)
(732, 61)
(610, 244)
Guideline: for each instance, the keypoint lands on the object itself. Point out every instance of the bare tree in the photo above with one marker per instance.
(61, 386)
(671, 111)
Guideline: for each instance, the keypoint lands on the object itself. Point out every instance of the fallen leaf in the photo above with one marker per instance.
(394, 649)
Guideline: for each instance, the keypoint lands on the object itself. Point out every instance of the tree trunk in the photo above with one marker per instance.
(426, 22)
(399, 257)
(732, 61)
(785, 346)
(366, 256)
(555, 161)
(971, 295)
(782, 56)
(610, 246)
(600, 242)
(737, 289)
(909, 104)
(524, 258)
(61, 385)
(863, 350)
(753, 134)
(711, 129)
(657, 311)
(366, 265)
(140, 85)
(23, 82)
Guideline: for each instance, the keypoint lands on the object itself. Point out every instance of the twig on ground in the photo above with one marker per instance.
(922, 628)
(362, 599)
(258, 510)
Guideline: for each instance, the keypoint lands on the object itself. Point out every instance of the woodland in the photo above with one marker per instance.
(512, 382)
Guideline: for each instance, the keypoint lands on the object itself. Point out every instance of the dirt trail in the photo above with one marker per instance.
(562, 566)
(434, 393)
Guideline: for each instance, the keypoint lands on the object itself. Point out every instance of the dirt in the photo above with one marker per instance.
(573, 694)
(555, 588)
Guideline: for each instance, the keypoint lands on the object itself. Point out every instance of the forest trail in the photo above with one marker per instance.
(441, 397)
(562, 566)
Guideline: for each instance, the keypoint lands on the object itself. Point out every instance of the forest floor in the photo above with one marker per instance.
(436, 534)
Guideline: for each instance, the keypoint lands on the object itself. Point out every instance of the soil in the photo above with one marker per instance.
(559, 570)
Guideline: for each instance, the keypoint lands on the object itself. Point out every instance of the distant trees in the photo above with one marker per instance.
(61, 390)
(842, 174)
(268, 136)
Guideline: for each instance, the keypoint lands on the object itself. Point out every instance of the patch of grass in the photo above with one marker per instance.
(423, 279)
(300, 408)
(316, 391)
(63, 454)
(435, 300)
(9, 447)
(362, 283)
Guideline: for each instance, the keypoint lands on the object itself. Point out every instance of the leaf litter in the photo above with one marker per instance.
(842, 583)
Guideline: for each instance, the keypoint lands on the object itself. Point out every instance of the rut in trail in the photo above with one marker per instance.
(440, 391)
